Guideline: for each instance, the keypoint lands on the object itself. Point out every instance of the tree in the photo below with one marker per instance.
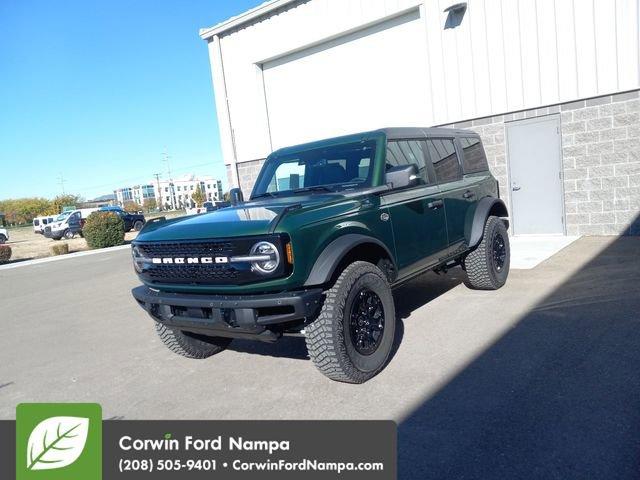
(131, 206)
(24, 210)
(199, 196)
(150, 204)
(67, 200)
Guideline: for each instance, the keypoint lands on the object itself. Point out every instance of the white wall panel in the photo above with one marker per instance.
(547, 51)
(481, 80)
(495, 45)
(628, 43)
(605, 42)
(512, 54)
(506, 55)
(586, 47)
(528, 16)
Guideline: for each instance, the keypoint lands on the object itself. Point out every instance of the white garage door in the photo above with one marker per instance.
(373, 78)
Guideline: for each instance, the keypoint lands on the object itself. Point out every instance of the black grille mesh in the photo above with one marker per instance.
(203, 274)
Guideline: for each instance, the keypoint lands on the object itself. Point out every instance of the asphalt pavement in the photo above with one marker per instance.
(536, 380)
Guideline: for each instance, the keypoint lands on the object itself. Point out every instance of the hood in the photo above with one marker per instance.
(247, 219)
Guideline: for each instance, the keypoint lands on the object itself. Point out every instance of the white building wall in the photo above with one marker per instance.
(505, 56)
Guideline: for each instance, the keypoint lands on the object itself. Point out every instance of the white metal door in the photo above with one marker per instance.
(372, 78)
(535, 173)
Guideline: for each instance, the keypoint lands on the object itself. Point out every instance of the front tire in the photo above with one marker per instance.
(487, 266)
(68, 234)
(352, 338)
(3, 239)
(191, 345)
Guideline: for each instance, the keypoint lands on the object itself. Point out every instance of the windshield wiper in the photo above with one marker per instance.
(265, 194)
(314, 188)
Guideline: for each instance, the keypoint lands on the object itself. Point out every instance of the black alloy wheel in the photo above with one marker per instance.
(367, 322)
(499, 251)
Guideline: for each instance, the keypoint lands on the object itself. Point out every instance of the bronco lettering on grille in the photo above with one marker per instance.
(188, 260)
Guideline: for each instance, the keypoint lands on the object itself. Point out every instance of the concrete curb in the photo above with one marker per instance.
(38, 261)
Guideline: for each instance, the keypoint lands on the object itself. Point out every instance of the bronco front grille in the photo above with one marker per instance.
(203, 273)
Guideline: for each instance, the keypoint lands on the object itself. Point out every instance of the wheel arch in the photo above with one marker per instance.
(487, 207)
(348, 249)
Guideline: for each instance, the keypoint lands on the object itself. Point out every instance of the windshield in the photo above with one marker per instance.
(62, 216)
(337, 167)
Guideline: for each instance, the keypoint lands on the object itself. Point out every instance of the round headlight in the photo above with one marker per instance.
(265, 249)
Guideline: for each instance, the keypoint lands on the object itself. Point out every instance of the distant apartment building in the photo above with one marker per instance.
(172, 194)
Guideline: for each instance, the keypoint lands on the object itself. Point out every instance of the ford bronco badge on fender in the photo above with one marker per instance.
(330, 229)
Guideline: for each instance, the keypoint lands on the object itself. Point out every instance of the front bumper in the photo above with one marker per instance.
(259, 317)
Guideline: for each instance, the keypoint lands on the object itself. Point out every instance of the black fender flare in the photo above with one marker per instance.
(486, 206)
(327, 262)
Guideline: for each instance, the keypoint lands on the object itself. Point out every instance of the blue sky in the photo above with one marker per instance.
(96, 90)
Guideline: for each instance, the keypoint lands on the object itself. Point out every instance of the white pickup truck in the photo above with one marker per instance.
(4, 235)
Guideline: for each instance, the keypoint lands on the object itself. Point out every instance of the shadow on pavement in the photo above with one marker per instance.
(411, 296)
(556, 397)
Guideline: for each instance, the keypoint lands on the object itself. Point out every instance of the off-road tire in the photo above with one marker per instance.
(191, 345)
(481, 268)
(328, 336)
(137, 226)
(68, 234)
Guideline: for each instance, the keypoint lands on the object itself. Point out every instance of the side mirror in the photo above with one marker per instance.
(402, 176)
(236, 196)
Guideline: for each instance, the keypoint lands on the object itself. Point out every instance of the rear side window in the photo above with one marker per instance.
(473, 157)
(36, 222)
(407, 152)
(445, 160)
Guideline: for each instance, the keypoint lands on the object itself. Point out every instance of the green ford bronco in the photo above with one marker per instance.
(331, 228)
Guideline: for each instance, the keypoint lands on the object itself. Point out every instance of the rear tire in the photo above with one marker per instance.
(487, 266)
(3, 239)
(138, 225)
(191, 345)
(352, 338)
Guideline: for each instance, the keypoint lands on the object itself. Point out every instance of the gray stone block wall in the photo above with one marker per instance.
(247, 174)
(601, 158)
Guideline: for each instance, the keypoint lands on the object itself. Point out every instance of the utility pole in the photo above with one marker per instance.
(159, 197)
(165, 158)
(61, 182)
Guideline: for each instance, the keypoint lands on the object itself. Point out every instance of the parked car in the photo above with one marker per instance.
(132, 221)
(331, 227)
(68, 224)
(4, 235)
(39, 223)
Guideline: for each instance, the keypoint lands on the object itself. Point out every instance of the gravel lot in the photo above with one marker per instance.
(26, 245)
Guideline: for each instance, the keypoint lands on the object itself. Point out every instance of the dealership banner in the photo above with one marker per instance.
(70, 441)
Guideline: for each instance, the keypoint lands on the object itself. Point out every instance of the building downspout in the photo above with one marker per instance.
(222, 107)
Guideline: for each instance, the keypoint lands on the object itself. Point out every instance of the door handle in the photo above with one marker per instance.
(468, 194)
(515, 187)
(435, 204)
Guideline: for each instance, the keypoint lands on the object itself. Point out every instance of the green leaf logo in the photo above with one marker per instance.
(56, 442)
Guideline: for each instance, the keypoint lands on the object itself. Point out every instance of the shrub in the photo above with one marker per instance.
(103, 229)
(60, 249)
(5, 253)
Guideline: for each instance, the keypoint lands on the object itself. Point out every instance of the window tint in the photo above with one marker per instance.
(407, 152)
(445, 161)
(473, 159)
